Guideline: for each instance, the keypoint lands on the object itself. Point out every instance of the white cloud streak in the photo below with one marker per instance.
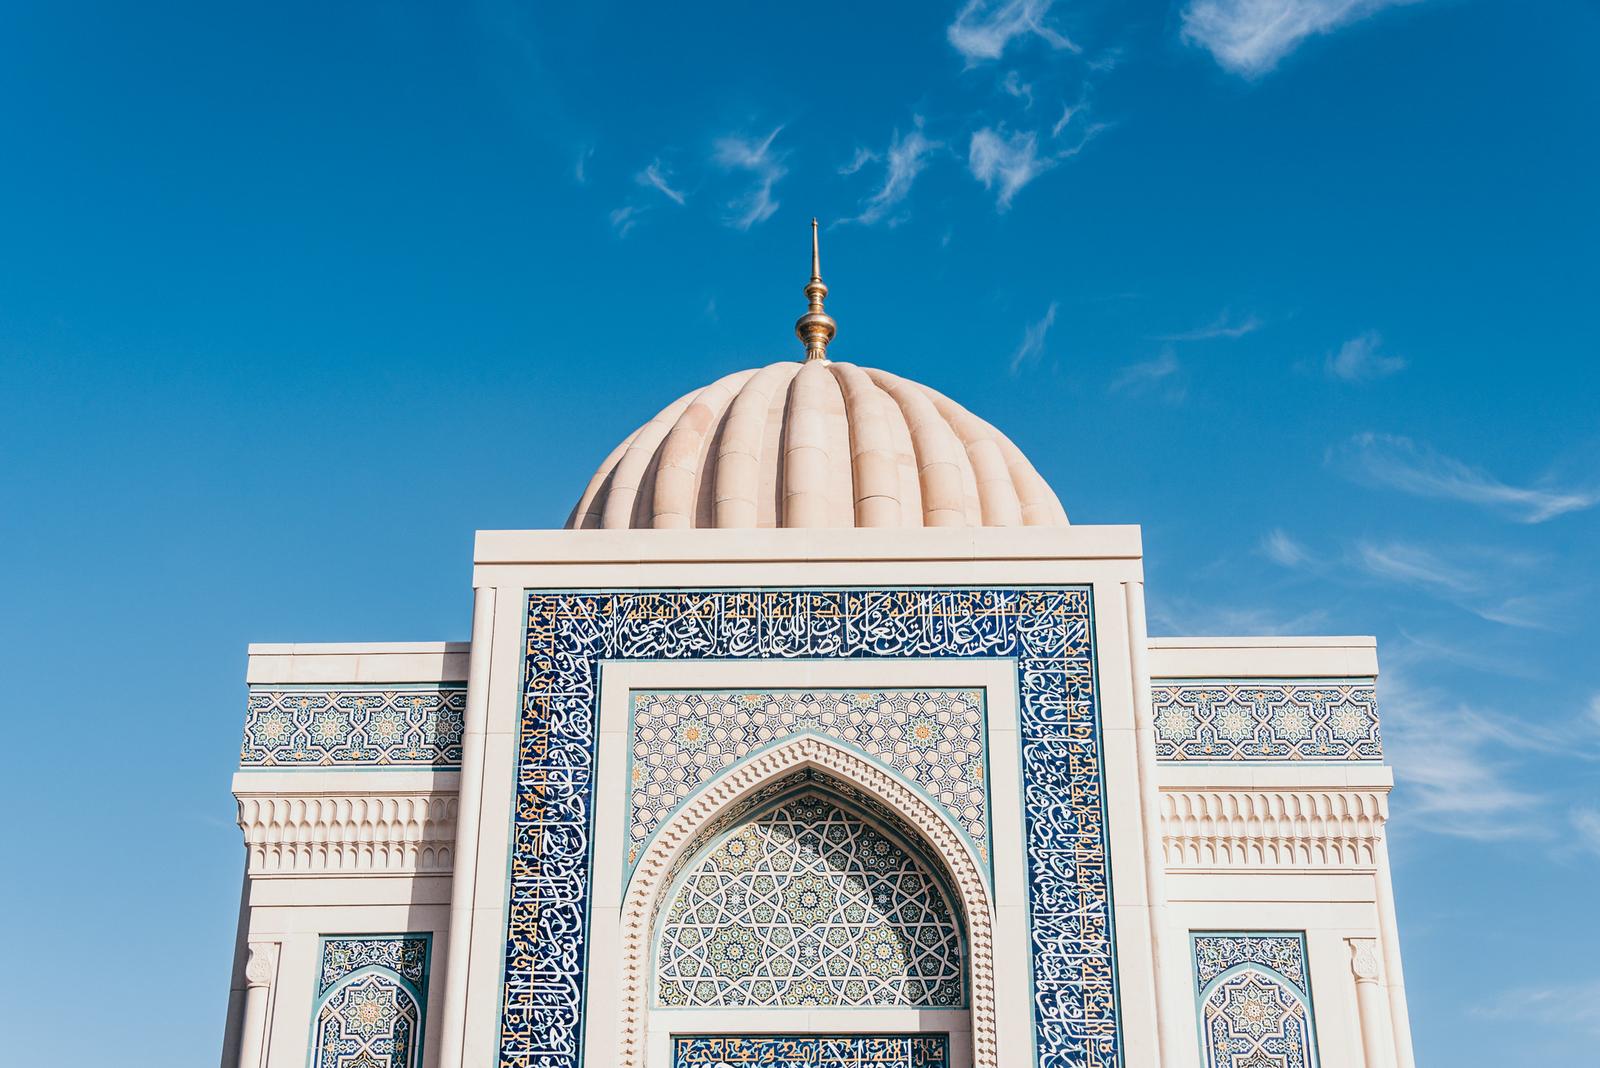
(1475, 585)
(1005, 163)
(1222, 327)
(862, 157)
(1284, 551)
(1572, 1006)
(625, 219)
(1399, 463)
(652, 177)
(1151, 375)
(905, 159)
(759, 159)
(1249, 37)
(984, 29)
(1032, 346)
(1358, 360)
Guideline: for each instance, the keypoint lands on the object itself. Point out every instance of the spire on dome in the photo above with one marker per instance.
(816, 328)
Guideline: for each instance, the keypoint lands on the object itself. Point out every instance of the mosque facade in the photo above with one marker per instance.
(818, 737)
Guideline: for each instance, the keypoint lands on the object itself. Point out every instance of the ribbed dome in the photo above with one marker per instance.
(816, 444)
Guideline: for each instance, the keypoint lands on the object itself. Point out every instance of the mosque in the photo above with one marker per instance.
(818, 737)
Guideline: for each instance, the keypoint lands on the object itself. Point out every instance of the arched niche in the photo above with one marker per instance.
(802, 767)
(370, 1017)
(1252, 1015)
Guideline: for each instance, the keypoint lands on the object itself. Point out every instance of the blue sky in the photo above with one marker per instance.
(296, 297)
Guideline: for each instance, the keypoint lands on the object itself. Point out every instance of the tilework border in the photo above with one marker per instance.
(1226, 720)
(389, 725)
(823, 1051)
(1047, 632)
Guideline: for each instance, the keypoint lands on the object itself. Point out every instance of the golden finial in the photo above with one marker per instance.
(816, 328)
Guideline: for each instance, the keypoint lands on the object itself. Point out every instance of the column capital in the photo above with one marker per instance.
(1364, 959)
(262, 964)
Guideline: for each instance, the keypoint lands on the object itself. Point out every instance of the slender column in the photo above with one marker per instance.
(1389, 927)
(469, 811)
(1370, 1002)
(1168, 1044)
(259, 971)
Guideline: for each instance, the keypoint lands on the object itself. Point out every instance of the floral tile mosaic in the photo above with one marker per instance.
(936, 739)
(1254, 1000)
(355, 727)
(370, 997)
(811, 1051)
(1256, 719)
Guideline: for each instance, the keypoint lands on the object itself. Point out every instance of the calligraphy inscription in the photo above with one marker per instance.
(812, 1051)
(1046, 633)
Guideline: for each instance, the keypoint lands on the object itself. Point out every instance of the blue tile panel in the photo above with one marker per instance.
(1253, 999)
(371, 993)
(935, 739)
(811, 1051)
(355, 727)
(1047, 633)
(1266, 720)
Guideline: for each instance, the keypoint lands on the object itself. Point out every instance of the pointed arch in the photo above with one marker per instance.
(370, 1017)
(730, 797)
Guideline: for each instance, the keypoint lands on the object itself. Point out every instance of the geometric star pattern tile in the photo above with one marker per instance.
(682, 739)
(812, 1051)
(1253, 719)
(1254, 1001)
(369, 1007)
(355, 727)
(807, 905)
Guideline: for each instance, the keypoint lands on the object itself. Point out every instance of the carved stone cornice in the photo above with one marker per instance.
(1205, 829)
(349, 834)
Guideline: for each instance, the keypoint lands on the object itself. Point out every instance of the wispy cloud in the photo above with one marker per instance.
(1454, 764)
(1249, 37)
(1190, 618)
(580, 170)
(766, 165)
(1358, 360)
(1068, 113)
(1585, 821)
(625, 219)
(1399, 463)
(1283, 550)
(905, 159)
(1015, 86)
(1571, 1006)
(1032, 346)
(654, 177)
(862, 157)
(1006, 162)
(1158, 375)
(984, 29)
(1224, 325)
(1473, 580)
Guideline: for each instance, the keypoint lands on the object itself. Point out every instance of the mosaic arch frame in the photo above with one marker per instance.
(1249, 965)
(798, 764)
(364, 964)
(796, 790)
(1045, 632)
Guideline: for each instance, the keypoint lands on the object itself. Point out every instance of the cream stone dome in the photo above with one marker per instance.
(816, 443)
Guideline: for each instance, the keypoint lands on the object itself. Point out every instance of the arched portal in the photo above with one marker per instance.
(829, 815)
(369, 1019)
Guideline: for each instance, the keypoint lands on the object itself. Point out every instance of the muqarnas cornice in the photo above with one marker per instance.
(342, 834)
(1272, 828)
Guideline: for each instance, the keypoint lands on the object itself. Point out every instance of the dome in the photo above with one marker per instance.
(815, 443)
